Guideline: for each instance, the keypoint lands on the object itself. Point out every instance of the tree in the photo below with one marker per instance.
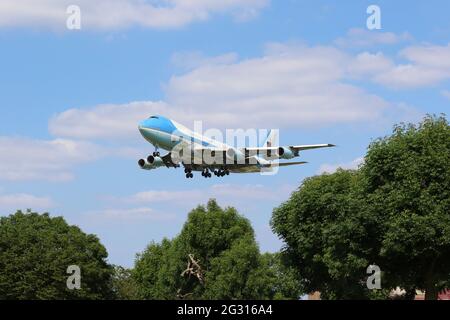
(156, 271)
(394, 211)
(35, 252)
(406, 180)
(283, 281)
(326, 236)
(214, 257)
(123, 284)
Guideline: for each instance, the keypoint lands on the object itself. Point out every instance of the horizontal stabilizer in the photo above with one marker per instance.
(285, 164)
(312, 146)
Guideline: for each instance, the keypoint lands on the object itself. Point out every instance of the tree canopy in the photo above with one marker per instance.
(394, 211)
(406, 181)
(214, 257)
(35, 252)
(325, 236)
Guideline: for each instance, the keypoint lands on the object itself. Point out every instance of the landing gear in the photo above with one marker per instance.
(221, 172)
(188, 172)
(206, 173)
(156, 152)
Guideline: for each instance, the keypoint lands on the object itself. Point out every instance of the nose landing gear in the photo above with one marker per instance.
(156, 152)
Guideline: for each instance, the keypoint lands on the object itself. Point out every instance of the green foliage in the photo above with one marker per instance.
(157, 271)
(35, 251)
(237, 266)
(284, 284)
(394, 212)
(222, 243)
(325, 236)
(407, 187)
(123, 284)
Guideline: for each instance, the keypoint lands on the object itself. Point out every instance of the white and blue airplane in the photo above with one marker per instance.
(164, 133)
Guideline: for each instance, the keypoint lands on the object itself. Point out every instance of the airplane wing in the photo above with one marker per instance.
(285, 152)
(293, 148)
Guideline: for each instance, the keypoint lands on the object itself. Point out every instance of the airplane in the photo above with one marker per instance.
(167, 134)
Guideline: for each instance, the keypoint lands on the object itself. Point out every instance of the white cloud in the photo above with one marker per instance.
(115, 14)
(358, 37)
(289, 86)
(429, 55)
(23, 201)
(331, 168)
(153, 196)
(368, 64)
(105, 121)
(426, 66)
(223, 192)
(28, 159)
(238, 195)
(411, 76)
(128, 215)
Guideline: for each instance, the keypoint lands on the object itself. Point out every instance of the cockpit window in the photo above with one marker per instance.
(153, 117)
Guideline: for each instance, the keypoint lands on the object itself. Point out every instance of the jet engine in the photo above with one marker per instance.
(151, 163)
(285, 153)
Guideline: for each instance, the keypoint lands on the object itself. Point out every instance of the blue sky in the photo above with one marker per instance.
(71, 99)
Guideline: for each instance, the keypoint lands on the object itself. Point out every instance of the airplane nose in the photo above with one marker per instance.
(141, 125)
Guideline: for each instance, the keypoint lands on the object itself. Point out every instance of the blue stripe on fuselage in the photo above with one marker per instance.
(160, 131)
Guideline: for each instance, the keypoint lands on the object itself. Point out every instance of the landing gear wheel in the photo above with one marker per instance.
(206, 173)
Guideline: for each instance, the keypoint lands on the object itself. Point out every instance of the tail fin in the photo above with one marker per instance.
(272, 139)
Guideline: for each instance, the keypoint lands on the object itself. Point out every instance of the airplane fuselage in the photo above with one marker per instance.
(165, 133)
(177, 139)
